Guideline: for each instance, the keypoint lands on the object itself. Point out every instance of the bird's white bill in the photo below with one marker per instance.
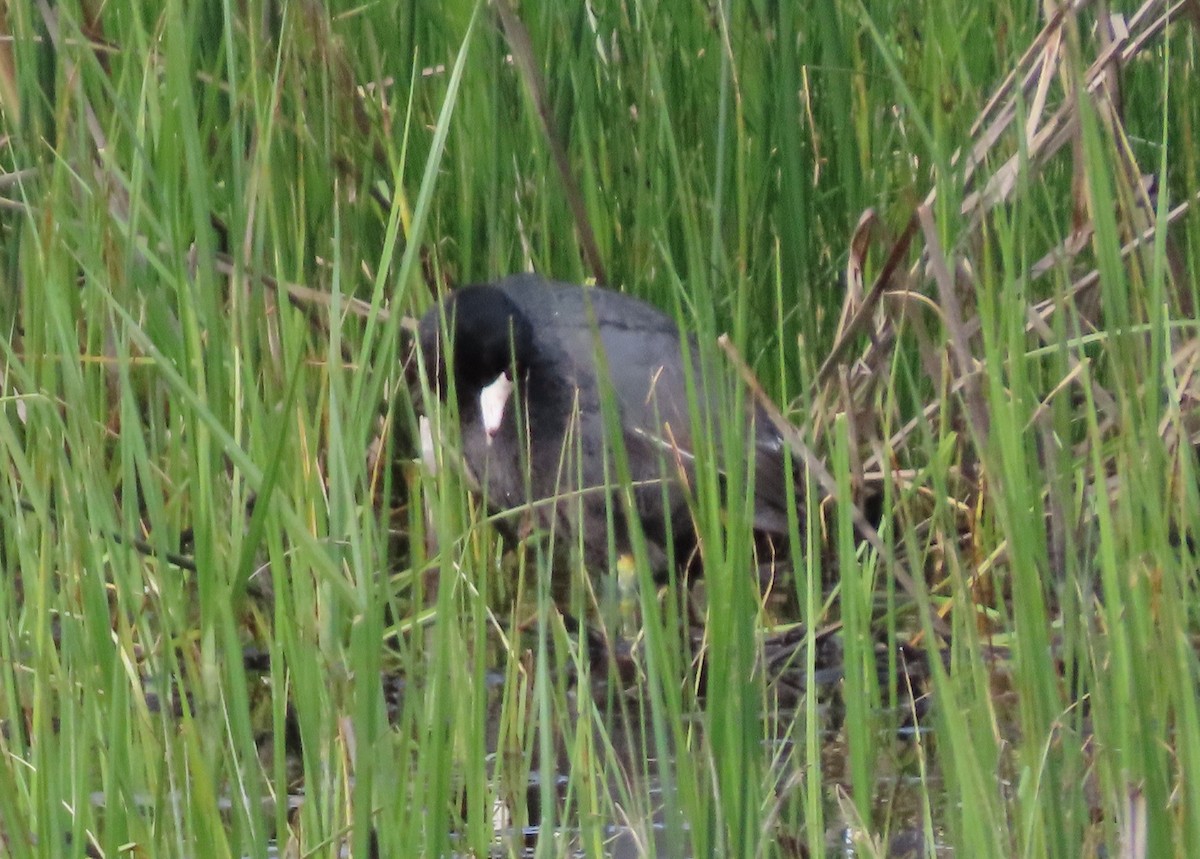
(492, 400)
(428, 454)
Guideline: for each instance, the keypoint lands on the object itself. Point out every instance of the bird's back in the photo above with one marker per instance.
(647, 365)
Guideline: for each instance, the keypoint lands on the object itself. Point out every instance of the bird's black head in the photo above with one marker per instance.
(488, 333)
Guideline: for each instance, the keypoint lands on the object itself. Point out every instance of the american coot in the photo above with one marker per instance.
(530, 395)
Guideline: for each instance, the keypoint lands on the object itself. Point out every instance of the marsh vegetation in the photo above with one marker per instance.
(953, 252)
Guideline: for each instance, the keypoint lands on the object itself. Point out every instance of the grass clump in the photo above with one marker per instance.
(955, 246)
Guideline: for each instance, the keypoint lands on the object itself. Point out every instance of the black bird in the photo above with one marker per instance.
(530, 390)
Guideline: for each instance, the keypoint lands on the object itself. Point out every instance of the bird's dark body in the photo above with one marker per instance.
(553, 442)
